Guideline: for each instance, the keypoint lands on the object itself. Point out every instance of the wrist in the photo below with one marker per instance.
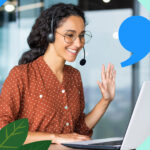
(103, 102)
(107, 101)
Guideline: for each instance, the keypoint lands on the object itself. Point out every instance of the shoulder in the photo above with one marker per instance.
(20, 72)
(25, 69)
(17, 70)
(73, 71)
(14, 71)
(13, 78)
(15, 74)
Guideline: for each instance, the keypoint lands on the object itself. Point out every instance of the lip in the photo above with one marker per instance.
(71, 52)
(72, 49)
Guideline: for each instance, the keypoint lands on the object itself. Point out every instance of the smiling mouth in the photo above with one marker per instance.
(72, 51)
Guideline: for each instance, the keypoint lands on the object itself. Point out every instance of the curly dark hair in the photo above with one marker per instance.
(37, 38)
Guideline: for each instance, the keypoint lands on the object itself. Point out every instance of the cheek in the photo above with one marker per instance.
(59, 41)
(60, 45)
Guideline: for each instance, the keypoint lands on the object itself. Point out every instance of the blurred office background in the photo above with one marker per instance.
(104, 18)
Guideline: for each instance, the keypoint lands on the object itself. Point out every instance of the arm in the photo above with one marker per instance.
(55, 138)
(81, 126)
(39, 136)
(95, 115)
(107, 87)
(10, 98)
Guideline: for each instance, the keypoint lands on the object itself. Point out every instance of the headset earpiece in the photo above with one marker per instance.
(50, 38)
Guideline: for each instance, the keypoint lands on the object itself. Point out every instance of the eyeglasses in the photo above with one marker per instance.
(70, 36)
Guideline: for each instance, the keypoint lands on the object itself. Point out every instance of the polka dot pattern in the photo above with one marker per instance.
(33, 91)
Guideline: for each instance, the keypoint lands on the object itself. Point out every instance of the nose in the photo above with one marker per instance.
(77, 42)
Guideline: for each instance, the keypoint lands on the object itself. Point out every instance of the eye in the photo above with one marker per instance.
(82, 35)
(70, 35)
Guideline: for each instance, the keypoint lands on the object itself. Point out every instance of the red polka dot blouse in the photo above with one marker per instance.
(33, 91)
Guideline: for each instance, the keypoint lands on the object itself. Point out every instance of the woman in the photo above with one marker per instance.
(48, 92)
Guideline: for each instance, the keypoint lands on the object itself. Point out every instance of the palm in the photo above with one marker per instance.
(107, 85)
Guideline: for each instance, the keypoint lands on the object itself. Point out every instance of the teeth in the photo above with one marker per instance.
(72, 51)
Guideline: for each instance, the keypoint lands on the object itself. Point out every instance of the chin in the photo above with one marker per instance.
(70, 60)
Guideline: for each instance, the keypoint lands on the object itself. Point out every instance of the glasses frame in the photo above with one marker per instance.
(76, 37)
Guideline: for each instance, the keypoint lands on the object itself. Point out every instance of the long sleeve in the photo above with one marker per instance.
(10, 98)
(81, 126)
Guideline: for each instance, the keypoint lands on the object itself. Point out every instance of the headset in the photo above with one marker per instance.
(51, 39)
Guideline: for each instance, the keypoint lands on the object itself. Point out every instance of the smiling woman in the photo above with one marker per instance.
(48, 25)
(48, 92)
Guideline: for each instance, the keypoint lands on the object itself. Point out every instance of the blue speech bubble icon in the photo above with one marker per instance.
(134, 36)
(2, 2)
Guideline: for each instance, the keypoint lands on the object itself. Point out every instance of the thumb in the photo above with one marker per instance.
(100, 86)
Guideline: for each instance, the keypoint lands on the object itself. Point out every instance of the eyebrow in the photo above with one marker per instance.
(75, 31)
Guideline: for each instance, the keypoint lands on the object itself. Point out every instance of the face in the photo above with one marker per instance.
(73, 25)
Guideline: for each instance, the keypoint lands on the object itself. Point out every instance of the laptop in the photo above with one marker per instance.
(137, 132)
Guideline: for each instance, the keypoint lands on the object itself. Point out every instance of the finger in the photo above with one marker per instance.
(80, 135)
(103, 76)
(59, 143)
(75, 133)
(112, 71)
(114, 75)
(83, 137)
(108, 71)
(112, 68)
(111, 76)
(101, 86)
(87, 139)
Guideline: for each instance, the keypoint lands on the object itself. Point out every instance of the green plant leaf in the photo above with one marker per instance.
(14, 134)
(40, 145)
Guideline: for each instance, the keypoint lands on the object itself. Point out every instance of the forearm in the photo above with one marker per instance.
(95, 115)
(39, 136)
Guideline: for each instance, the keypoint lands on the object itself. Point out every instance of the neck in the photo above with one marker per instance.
(55, 62)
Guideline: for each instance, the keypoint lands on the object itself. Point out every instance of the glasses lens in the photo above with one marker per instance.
(70, 37)
(87, 36)
(84, 37)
